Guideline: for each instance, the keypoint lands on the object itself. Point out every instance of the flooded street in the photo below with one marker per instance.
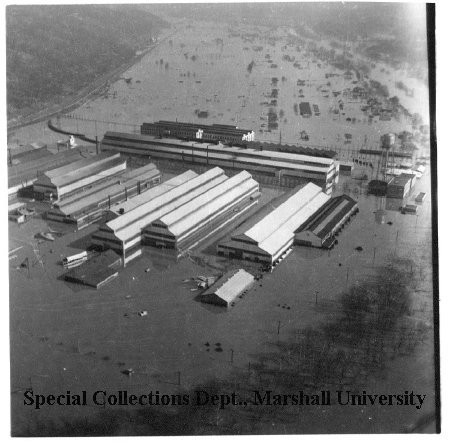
(65, 337)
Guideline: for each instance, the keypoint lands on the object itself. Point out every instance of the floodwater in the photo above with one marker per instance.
(193, 71)
(66, 337)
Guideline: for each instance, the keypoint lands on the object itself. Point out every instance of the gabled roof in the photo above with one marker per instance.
(228, 287)
(154, 192)
(131, 223)
(73, 172)
(279, 216)
(203, 199)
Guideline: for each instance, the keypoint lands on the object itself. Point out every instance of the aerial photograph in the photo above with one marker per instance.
(221, 219)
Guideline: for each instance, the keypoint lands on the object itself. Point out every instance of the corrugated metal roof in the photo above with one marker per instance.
(204, 212)
(224, 154)
(280, 156)
(94, 198)
(79, 165)
(78, 172)
(29, 170)
(131, 223)
(203, 199)
(276, 241)
(321, 222)
(279, 216)
(152, 193)
(230, 285)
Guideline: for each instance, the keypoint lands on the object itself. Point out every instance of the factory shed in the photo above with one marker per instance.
(67, 180)
(200, 217)
(124, 233)
(225, 290)
(272, 236)
(22, 176)
(97, 271)
(88, 206)
(321, 228)
(145, 197)
(282, 168)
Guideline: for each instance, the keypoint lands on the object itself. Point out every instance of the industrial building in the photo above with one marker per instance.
(294, 149)
(305, 109)
(321, 228)
(97, 271)
(64, 181)
(22, 176)
(189, 223)
(286, 169)
(303, 214)
(226, 290)
(269, 238)
(124, 233)
(400, 186)
(84, 208)
(193, 131)
(124, 207)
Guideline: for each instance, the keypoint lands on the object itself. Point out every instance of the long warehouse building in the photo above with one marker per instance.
(200, 217)
(271, 237)
(320, 229)
(67, 180)
(22, 176)
(125, 233)
(84, 208)
(285, 168)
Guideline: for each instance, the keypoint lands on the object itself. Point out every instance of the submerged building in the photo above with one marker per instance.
(86, 207)
(194, 131)
(227, 289)
(129, 230)
(283, 168)
(268, 239)
(67, 180)
(198, 218)
(272, 236)
(321, 228)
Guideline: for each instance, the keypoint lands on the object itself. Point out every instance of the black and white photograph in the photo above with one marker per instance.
(222, 219)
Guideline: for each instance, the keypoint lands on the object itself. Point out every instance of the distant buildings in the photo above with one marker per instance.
(192, 131)
(305, 109)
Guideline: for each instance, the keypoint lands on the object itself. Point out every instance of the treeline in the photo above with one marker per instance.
(53, 51)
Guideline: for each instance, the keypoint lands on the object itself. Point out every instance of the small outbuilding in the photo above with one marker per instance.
(225, 290)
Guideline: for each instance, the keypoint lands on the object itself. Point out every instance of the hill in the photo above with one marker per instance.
(53, 51)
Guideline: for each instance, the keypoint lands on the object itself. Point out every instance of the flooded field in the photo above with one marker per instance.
(210, 72)
(65, 337)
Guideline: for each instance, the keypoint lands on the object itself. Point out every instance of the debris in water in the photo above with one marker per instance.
(359, 248)
(147, 270)
(128, 372)
(142, 313)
